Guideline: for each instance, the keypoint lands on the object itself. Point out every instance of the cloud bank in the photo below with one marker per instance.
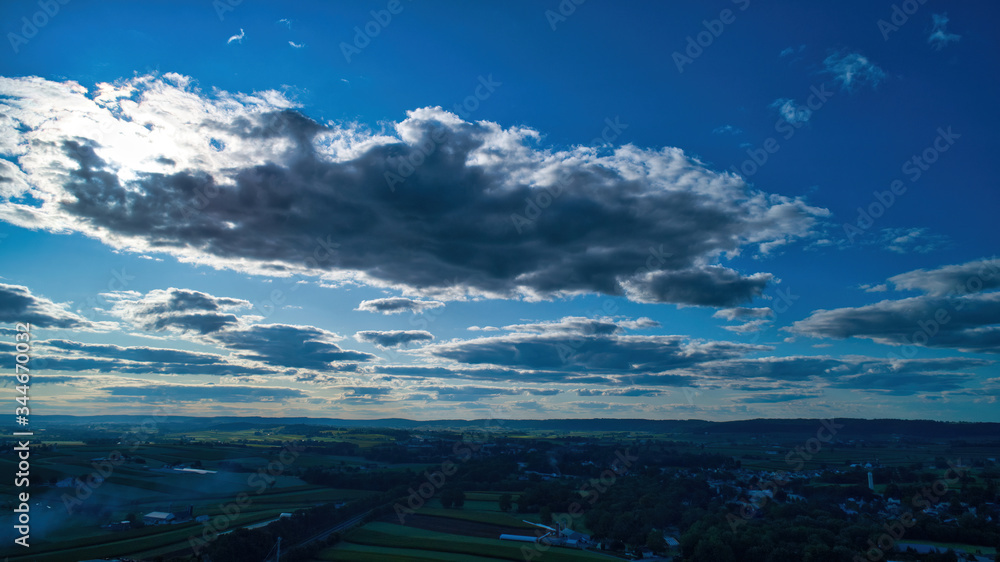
(435, 206)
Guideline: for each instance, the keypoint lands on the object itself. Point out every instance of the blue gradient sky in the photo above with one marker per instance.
(838, 343)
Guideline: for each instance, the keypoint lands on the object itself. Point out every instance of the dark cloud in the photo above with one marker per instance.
(278, 345)
(490, 374)
(791, 368)
(674, 380)
(59, 379)
(303, 347)
(181, 310)
(705, 286)
(958, 311)
(970, 277)
(143, 354)
(881, 375)
(198, 393)
(476, 208)
(397, 305)
(393, 338)
(474, 393)
(740, 313)
(967, 323)
(631, 392)
(584, 326)
(904, 384)
(369, 391)
(17, 304)
(591, 354)
(200, 323)
(108, 358)
(105, 365)
(776, 397)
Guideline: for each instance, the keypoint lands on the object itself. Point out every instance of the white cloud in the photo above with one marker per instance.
(940, 37)
(911, 240)
(853, 70)
(791, 112)
(238, 38)
(880, 288)
(789, 51)
(727, 130)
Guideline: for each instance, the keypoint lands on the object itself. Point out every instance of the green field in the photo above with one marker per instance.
(380, 541)
(133, 489)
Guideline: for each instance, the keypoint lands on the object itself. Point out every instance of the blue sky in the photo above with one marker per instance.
(721, 210)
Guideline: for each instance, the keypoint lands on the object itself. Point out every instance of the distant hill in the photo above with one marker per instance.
(853, 428)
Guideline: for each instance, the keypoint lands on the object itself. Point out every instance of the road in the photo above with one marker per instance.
(337, 528)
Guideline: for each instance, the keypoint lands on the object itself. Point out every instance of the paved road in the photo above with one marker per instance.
(337, 528)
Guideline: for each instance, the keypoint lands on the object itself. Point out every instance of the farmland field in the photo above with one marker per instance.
(388, 539)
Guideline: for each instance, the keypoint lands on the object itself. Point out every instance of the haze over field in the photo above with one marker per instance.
(511, 210)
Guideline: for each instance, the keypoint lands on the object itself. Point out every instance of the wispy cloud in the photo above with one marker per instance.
(791, 112)
(295, 45)
(727, 130)
(940, 37)
(853, 70)
(238, 38)
(911, 240)
(791, 51)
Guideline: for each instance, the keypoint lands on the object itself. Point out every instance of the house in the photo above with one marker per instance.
(518, 538)
(158, 518)
(118, 526)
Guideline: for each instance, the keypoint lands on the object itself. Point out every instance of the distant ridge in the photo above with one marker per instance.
(853, 427)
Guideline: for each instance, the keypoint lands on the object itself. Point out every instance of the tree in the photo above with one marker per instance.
(505, 503)
(452, 497)
(655, 541)
(545, 514)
